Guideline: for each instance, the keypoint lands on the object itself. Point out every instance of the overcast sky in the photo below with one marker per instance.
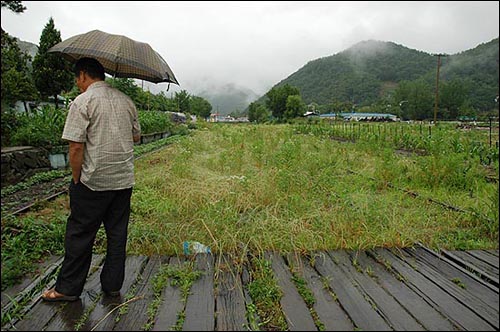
(257, 44)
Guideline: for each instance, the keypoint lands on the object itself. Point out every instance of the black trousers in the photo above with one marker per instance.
(88, 210)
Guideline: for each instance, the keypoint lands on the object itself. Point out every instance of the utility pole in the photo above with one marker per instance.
(436, 102)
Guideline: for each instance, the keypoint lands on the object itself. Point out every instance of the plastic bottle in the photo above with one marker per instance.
(193, 247)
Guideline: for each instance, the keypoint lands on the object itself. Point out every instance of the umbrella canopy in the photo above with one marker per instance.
(119, 55)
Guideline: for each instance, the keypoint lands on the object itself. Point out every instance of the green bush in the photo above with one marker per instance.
(10, 123)
(27, 240)
(42, 128)
(154, 122)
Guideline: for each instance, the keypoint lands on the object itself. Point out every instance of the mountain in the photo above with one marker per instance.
(29, 48)
(228, 98)
(371, 69)
(479, 68)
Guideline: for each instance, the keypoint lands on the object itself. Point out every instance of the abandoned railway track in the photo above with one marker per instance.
(25, 199)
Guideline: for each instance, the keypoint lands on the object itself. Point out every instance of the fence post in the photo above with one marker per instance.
(490, 131)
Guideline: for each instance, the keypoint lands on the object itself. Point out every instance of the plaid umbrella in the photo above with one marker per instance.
(119, 55)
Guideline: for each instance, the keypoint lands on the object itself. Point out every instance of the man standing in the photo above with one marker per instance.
(101, 127)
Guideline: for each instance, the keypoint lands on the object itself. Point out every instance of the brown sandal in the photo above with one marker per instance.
(52, 295)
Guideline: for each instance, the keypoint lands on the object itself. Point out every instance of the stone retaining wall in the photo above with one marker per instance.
(21, 162)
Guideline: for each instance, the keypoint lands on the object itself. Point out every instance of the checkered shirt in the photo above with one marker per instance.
(105, 119)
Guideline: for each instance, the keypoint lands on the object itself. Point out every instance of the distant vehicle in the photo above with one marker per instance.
(178, 117)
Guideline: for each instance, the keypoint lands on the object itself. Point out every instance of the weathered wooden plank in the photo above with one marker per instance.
(230, 299)
(329, 312)
(472, 284)
(470, 301)
(32, 301)
(485, 257)
(66, 319)
(359, 310)
(492, 252)
(425, 314)
(136, 316)
(99, 320)
(47, 278)
(43, 312)
(397, 317)
(39, 316)
(172, 305)
(472, 264)
(200, 305)
(480, 263)
(427, 294)
(16, 293)
(294, 308)
(442, 301)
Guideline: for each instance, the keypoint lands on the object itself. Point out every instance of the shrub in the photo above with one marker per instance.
(42, 128)
(10, 123)
(154, 122)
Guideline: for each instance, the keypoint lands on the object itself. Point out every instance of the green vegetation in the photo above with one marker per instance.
(266, 295)
(18, 305)
(51, 73)
(270, 187)
(459, 283)
(29, 239)
(17, 83)
(391, 78)
(43, 128)
(35, 179)
(182, 101)
(289, 188)
(154, 122)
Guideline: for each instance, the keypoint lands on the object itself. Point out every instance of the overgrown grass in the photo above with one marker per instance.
(29, 239)
(266, 295)
(267, 187)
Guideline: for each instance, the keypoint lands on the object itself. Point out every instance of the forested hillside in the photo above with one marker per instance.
(479, 69)
(371, 70)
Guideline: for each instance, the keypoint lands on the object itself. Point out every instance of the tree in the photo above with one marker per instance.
(17, 83)
(277, 98)
(125, 85)
(295, 107)
(52, 74)
(337, 106)
(182, 99)
(200, 107)
(416, 99)
(257, 113)
(165, 104)
(452, 96)
(15, 6)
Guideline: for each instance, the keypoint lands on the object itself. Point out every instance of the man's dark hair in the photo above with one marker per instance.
(91, 66)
